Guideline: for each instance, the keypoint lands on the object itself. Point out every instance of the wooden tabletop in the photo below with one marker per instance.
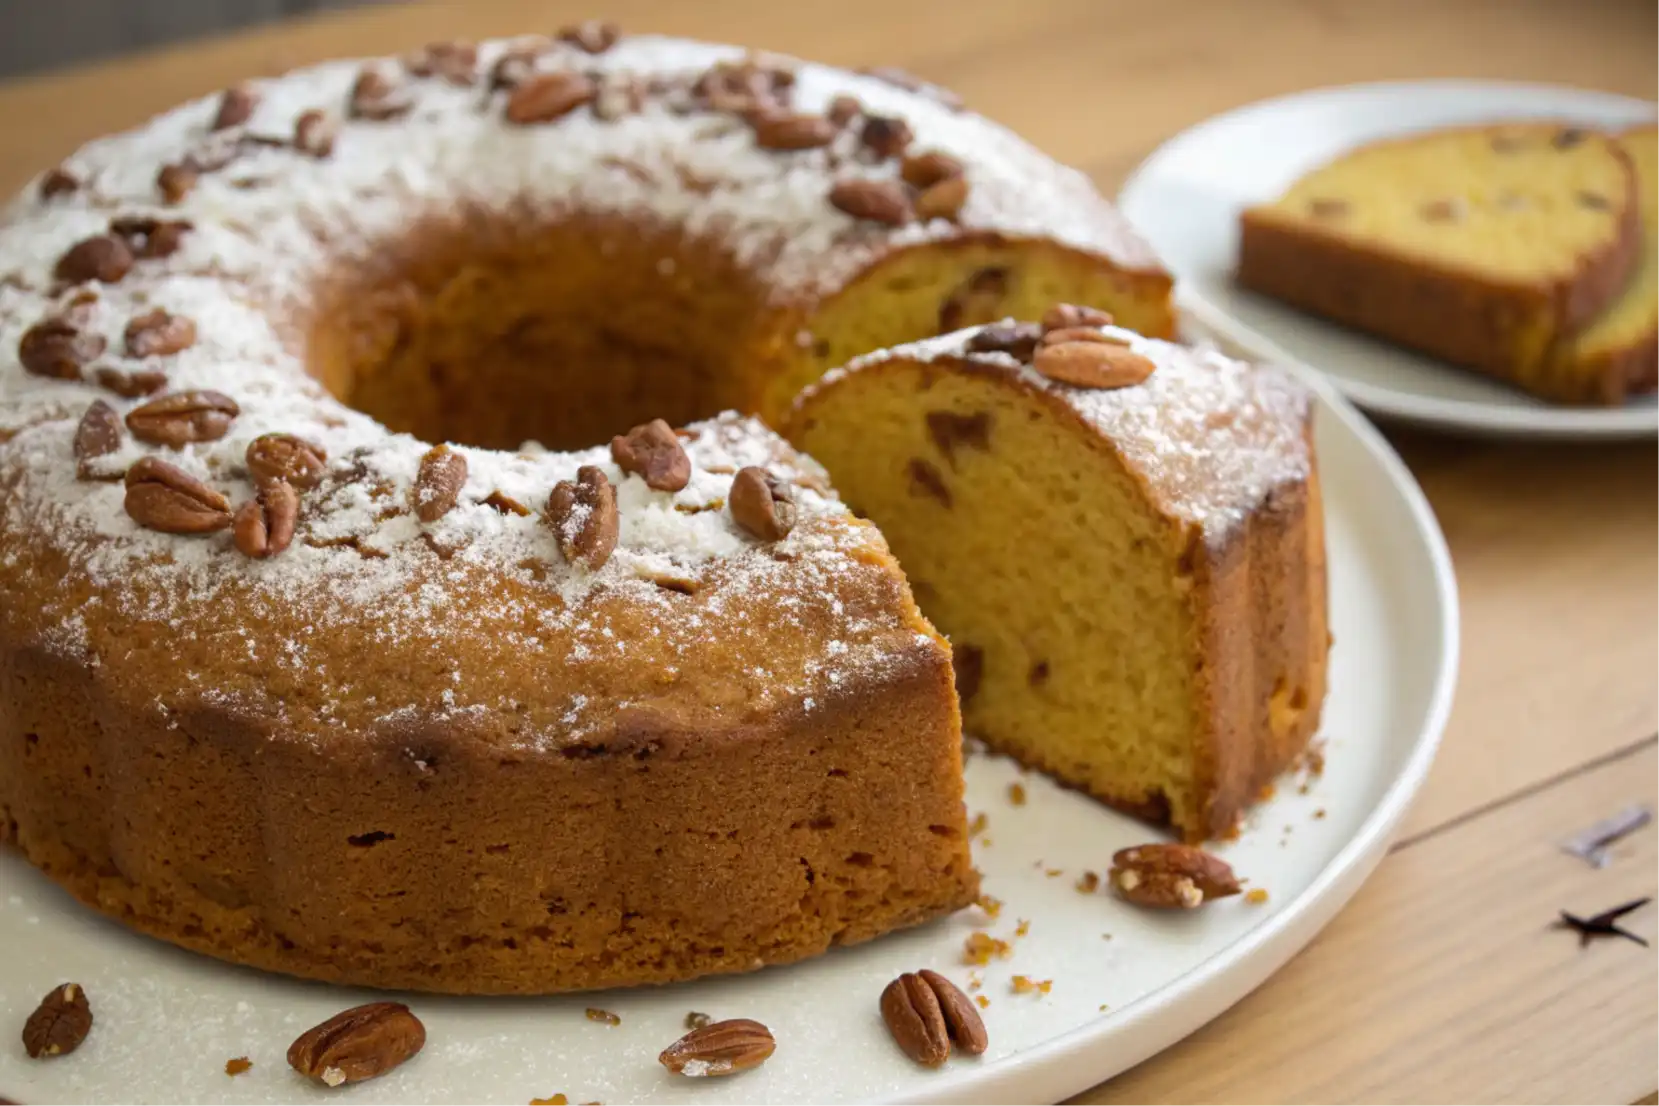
(1442, 981)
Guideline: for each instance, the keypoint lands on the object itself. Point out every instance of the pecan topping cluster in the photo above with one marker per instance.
(1070, 347)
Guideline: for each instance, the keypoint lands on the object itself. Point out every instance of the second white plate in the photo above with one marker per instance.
(1186, 198)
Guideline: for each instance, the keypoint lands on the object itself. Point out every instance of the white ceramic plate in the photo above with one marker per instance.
(167, 1020)
(1187, 196)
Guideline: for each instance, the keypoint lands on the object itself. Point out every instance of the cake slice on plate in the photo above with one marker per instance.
(1490, 247)
(1122, 538)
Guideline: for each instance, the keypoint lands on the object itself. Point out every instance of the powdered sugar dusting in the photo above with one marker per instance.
(1211, 436)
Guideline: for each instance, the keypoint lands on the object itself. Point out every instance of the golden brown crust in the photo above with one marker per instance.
(423, 858)
(1264, 645)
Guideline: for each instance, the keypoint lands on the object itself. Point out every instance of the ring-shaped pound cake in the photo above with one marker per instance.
(284, 682)
(1123, 539)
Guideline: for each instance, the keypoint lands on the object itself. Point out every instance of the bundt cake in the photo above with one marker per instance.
(1489, 247)
(283, 682)
(1122, 539)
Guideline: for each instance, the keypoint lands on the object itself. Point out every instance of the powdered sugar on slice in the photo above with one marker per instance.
(1211, 436)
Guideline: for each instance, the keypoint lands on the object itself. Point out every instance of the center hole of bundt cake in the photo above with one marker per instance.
(493, 330)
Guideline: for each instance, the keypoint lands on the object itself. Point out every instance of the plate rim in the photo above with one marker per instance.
(1143, 1028)
(1622, 423)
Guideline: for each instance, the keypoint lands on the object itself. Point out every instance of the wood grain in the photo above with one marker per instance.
(1442, 982)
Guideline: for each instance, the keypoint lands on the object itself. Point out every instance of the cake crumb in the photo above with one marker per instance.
(1266, 793)
(1054, 873)
(1318, 814)
(605, 1016)
(977, 824)
(696, 1019)
(980, 947)
(238, 1065)
(1256, 895)
(990, 904)
(1023, 928)
(1103, 1006)
(1088, 883)
(983, 1001)
(975, 981)
(1025, 985)
(556, 1100)
(1105, 936)
(1016, 794)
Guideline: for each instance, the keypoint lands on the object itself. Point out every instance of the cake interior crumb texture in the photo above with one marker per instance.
(1133, 579)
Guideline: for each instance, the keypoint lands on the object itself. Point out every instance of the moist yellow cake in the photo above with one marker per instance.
(1618, 350)
(1132, 576)
(1489, 247)
(283, 681)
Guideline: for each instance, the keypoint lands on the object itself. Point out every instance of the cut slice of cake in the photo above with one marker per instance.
(1486, 246)
(1132, 576)
(1617, 355)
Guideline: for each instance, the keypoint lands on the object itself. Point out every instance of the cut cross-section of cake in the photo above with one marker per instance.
(1488, 247)
(1123, 539)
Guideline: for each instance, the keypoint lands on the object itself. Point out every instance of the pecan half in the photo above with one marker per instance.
(544, 97)
(886, 135)
(927, 1014)
(456, 61)
(131, 385)
(179, 418)
(843, 109)
(593, 36)
(166, 498)
(879, 201)
(943, 200)
(315, 132)
(377, 96)
(762, 504)
(103, 257)
(1018, 340)
(59, 1024)
(236, 106)
(176, 181)
(147, 237)
(583, 515)
(358, 1044)
(57, 348)
(927, 169)
(791, 131)
(98, 433)
(653, 451)
(438, 483)
(58, 181)
(1065, 316)
(159, 333)
(287, 458)
(911, 1010)
(264, 525)
(723, 1048)
(1093, 364)
(1170, 876)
